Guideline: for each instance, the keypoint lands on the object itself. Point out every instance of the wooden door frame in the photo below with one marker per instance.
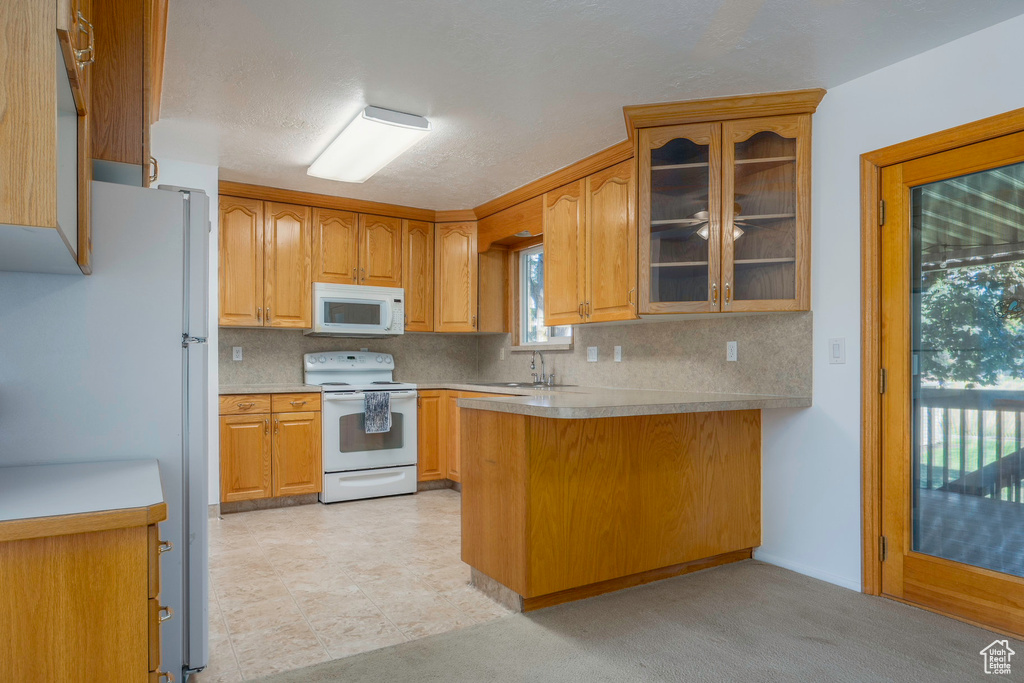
(871, 164)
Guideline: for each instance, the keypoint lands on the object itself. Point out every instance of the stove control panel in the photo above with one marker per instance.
(340, 361)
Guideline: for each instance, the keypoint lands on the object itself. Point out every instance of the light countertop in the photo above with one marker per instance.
(228, 389)
(33, 491)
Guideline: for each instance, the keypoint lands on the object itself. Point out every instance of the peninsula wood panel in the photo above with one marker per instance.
(75, 607)
(587, 501)
(297, 467)
(380, 251)
(611, 244)
(287, 285)
(335, 246)
(431, 409)
(455, 290)
(241, 262)
(565, 255)
(245, 457)
(418, 275)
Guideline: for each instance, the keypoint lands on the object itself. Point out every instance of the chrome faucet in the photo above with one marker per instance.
(544, 377)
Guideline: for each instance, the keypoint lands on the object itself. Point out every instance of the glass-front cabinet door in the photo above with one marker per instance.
(680, 243)
(766, 213)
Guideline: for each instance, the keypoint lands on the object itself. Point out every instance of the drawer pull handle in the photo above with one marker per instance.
(246, 406)
(165, 547)
(164, 675)
(168, 613)
(298, 403)
(88, 55)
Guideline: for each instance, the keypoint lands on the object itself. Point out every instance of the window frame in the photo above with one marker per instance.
(518, 304)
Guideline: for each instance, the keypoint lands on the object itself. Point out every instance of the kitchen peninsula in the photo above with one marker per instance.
(570, 495)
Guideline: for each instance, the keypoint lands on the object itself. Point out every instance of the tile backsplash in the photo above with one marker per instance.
(690, 354)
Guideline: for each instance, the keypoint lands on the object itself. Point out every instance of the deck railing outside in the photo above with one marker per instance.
(971, 442)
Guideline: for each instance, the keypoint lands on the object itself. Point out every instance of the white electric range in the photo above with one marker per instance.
(356, 464)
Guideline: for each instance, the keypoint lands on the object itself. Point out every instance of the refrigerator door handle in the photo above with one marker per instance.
(186, 340)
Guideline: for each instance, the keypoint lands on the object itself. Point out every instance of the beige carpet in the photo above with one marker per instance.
(743, 622)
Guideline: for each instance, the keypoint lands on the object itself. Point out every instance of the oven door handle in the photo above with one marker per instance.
(360, 396)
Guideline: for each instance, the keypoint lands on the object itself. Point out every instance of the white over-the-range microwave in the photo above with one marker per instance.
(357, 311)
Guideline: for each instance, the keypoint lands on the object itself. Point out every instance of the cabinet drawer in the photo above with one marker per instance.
(295, 403)
(156, 612)
(244, 404)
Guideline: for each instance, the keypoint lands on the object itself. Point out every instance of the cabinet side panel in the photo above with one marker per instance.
(75, 607)
(494, 471)
(28, 107)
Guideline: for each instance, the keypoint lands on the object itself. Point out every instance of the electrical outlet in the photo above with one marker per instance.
(731, 351)
(501, 353)
(837, 351)
(236, 353)
(618, 354)
(591, 354)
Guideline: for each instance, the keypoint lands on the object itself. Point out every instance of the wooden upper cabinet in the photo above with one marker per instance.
(565, 255)
(245, 457)
(241, 262)
(455, 290)
(297, 454)
(380, 251)
(611, 244)
(766, 190)
(288, 275)
(418, 275)
(335, 246)
(680, 218)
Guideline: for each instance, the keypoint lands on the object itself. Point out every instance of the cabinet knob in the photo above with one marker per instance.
(277, 424)
(259, 314)
(266, 426)
(88, 55)
(728, 294)
(631, 297)
(298, 403)
(714, 293)
(165, 547)
(156, 169)
(245, 406)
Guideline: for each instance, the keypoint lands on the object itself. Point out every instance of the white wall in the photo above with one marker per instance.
(203, 177)
(811, 468)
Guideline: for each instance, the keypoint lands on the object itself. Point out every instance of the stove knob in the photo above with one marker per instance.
(387, 361)
(312, 360)
(380, 359)
(322, 359)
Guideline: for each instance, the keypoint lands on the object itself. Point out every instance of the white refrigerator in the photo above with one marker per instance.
(113, 366)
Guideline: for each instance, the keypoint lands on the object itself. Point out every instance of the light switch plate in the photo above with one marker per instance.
(236, 353)
(837, 350)
(618, 354)
(731, 351)
(591, 354)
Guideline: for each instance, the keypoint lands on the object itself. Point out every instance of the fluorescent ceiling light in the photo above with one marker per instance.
(372, 141)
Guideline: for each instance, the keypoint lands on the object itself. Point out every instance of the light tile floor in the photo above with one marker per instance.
(296, 586)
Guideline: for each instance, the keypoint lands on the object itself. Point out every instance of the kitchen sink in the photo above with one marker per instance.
(520, 385)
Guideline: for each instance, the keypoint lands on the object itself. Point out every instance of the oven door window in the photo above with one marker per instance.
(351, 312)
(354, 438)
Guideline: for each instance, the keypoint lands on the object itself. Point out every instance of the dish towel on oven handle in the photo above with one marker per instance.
(377, 410)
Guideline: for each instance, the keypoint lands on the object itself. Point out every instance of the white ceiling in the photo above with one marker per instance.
(514, 89)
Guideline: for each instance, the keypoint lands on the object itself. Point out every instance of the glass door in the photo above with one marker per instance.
(765, 213)
(953, 352)
(679, 218)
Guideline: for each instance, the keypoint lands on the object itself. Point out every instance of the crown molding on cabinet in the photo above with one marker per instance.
(721, 109)
(459, 216)
(323, 201)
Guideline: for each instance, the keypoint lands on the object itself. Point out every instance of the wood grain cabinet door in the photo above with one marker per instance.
(297, 455)
(380, 251)
(241, 262)
(245, 468)
(335, 247)
(564, 255)
(452, 437)
(418, 275)
(455, 292)
(611, 245)
(288, 273)
(432, 463)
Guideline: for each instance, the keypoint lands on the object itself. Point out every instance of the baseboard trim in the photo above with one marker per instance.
(436, 484)
(601, 587)
(814, 573)
(268, 503)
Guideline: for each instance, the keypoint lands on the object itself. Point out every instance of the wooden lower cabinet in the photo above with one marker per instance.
(84, 605)
(431, 457)
(439, 428)
(269, 454)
